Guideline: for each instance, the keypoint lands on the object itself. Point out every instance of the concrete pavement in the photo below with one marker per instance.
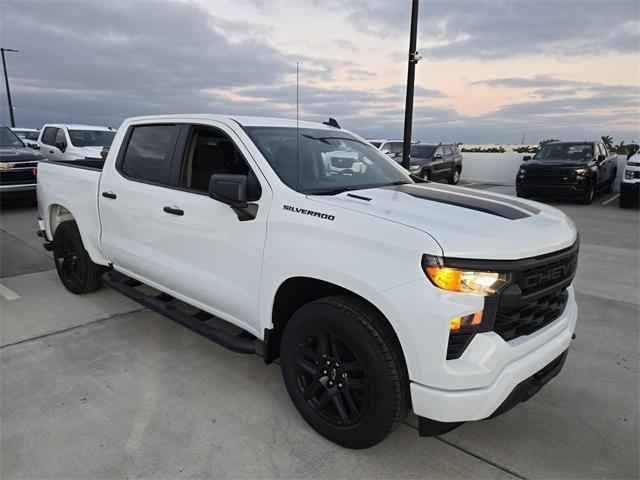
(95, 387)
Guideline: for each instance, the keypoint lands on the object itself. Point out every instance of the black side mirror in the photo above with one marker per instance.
(437, 156)
(62, 146)
(601, 157)
(229, 189)
(526, 157)
(35, 146)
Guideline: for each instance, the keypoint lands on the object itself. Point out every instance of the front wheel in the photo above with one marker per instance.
(455, 177)
(344, 372)
(587, 198)
(76, 270)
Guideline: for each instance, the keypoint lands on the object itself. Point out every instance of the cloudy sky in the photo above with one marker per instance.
(492, 70)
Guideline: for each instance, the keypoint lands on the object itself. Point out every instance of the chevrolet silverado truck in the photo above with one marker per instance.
(18, 166)
(568, 170)
(378, 291)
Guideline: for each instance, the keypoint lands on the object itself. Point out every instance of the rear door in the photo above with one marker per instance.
(449, 161)
(131, 198)
(438, 164)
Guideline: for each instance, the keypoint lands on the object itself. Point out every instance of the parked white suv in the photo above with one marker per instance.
(60, 142)
(393, 148)
(378, 292)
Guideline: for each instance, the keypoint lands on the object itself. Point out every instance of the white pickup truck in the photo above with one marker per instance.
(378, 291)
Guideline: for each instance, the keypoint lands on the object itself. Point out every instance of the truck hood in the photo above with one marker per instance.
(93, 152)
(19, 154)
(559, 162)
(466, 223)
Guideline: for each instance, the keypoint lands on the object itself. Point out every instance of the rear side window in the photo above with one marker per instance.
(148, 154)
(49, 136)
(447, 150)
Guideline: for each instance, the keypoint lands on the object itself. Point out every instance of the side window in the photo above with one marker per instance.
(210, 151)
(447, 150)
(60, 138)
(603, 149)
(49, 136)
(148, 154)
(438, 151)
(396, 148)
(386, 147)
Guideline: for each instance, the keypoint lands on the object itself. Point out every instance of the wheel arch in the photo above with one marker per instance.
(294, 293)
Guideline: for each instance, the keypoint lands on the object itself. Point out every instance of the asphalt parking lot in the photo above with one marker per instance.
(96, 386)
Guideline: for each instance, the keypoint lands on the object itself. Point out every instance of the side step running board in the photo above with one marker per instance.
(161, 303)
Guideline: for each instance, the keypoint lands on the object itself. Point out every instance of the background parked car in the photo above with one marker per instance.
(74, 142)
(567, 169)
(393, 148)
(29, 136)
(18, 165)
(436, 162)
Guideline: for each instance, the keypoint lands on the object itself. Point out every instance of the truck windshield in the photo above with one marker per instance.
(27, 134)
(565, 151)
(321, 162)
(9, 139)
(91, 138)
(423, 151)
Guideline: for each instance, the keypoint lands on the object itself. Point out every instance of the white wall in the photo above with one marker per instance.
(501, 168)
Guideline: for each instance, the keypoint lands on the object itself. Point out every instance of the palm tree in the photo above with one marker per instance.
(608, 141)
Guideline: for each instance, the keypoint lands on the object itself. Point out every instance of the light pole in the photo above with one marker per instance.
(411, 78)
(6, 81)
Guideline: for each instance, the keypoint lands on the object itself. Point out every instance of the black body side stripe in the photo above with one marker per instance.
(463, 200)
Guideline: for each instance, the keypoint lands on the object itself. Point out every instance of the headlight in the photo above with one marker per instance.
(522, 171)
(628, 174)
(582, 171)
(465, 281)
(415, 168)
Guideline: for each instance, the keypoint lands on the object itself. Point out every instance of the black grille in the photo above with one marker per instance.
(550, 176)
(8, 177)
(536, 296)
(511, 323)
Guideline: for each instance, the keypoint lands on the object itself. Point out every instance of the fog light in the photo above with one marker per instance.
(466, 323)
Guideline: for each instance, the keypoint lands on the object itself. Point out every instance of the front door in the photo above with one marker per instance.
(172, 234)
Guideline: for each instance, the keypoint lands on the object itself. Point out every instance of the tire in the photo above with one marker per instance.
(76, 270)
(455, 177)
(587, 199)
(352, 387)
(626, 200)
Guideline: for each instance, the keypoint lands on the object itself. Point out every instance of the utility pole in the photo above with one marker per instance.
(411, 79)
(6, 81)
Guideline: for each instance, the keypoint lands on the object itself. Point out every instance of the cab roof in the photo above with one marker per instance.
(243, 121)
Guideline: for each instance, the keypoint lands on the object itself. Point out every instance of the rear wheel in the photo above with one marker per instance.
(455, 177)
(76, 270)
(344, 372)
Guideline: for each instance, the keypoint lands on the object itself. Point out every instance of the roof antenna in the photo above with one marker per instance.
(297, 130)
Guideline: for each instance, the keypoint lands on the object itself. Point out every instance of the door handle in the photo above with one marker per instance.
(174, 211)
(109, 195)
(50, 151)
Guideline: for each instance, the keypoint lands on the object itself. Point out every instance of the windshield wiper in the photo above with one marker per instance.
(399, 182)
(327, 191)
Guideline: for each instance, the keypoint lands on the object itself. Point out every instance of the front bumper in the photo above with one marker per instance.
(560, 191)
(17, 188)
(508, 363)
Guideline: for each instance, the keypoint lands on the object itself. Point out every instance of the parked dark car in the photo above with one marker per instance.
(436, 162)
(18, 165)
(568, 170)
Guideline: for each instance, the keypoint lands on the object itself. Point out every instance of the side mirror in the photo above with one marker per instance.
(437, 156)
(62, 146)
(229, 189)
(526, 157)
(601, 157)
(386, 152)
(35, 146)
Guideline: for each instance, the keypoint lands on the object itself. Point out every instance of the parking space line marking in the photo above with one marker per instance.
(468, 184)
(611, 199)
(7, 293)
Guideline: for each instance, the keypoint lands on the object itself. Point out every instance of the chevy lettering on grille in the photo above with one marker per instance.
(549, 276)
